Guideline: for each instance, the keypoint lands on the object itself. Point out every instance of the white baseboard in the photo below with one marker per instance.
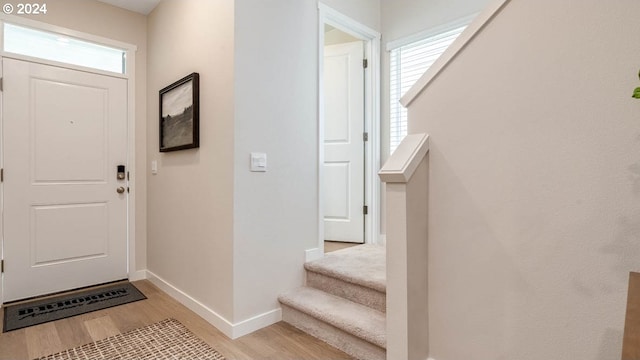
(313, 254)
(192, 304)
(231, 330)
(138, 275)
(256, 323)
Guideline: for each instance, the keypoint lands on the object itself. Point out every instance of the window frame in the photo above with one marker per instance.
(61, 48)
(398, 121)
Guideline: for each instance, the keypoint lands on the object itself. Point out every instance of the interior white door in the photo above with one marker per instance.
(343, 142)
(65, 223)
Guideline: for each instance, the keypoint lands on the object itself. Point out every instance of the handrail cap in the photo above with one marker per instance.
(405, 160)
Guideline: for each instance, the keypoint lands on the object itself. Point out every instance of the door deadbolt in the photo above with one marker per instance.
(121, 174)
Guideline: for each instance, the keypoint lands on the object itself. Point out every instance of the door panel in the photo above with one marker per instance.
(84, 237)
(343, 143)
(65, 133)
(337, 201)
(54, 125)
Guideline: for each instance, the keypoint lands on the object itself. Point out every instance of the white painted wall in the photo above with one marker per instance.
(402, 18)
(366, 12)
(275, 213)
(103, 20)
(535, 184)
(190, 200)
(228, 238)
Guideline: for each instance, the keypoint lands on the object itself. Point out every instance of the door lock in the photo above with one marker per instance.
(121, 172)
(120, 190)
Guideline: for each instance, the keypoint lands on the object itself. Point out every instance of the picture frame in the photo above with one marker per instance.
(180, 114)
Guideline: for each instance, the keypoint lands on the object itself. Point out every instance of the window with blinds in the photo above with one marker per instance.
(408, 63)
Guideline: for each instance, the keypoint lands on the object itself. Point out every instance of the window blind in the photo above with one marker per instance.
(407, 64)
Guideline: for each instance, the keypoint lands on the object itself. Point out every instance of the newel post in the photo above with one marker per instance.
(406, 175)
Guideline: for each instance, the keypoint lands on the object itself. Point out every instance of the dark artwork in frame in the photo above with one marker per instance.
(180, 114)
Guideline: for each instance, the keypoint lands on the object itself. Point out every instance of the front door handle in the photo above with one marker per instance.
(120, 190)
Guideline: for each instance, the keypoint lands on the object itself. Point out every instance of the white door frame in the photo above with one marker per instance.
(327, 15)
(130, 76)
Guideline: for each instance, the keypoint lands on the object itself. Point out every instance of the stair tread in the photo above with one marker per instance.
(358, 320)
(363, 265)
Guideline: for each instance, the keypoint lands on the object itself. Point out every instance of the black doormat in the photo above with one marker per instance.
(36, 312)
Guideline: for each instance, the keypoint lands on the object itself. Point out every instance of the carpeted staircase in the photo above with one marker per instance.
(344, 301)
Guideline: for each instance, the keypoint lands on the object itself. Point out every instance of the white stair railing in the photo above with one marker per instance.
(406, 175)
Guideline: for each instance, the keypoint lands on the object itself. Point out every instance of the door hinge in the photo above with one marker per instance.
(1, 266)
(365, 210)
(1, 84)
(365, 63)
(365, 136)
(1, 175)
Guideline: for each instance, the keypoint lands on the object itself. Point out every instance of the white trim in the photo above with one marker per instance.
(12, 19)
(192, 304)
(401, 165)
(131, 161)
(231, 330)
(256, 323)
(373, 97)
(63, 65)
(456, 48)
(137, 275)
(345, 24)
(321, 19)
(313, 254)
(391, 45)
(327, 15)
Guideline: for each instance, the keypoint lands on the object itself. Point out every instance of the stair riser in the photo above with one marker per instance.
(354, 346)
(353, 292)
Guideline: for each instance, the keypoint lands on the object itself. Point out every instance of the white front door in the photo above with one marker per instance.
(343, 142)
(65, 223)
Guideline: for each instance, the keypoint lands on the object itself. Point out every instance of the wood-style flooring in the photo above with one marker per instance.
(279, 341)
(631, 340)
(330, 246)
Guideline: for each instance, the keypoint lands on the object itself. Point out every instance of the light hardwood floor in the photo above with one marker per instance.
(330, 246)
(280, 341)
(631, 340)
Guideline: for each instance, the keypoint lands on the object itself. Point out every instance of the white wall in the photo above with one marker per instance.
(103, 20)
(230, 238)
(275, 213)
(190, 212)
(402, 18)
(535, 184)
(366, 12)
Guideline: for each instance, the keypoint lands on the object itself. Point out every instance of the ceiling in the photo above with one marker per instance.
(140, 6)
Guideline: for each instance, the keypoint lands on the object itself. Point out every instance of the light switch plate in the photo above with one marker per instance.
(258, 162)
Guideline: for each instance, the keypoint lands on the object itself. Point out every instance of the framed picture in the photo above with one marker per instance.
(180, 114)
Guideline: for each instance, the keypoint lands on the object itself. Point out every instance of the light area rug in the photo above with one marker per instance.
(168, 339)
